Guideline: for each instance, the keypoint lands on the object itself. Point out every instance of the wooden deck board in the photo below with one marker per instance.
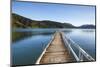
(56, 52)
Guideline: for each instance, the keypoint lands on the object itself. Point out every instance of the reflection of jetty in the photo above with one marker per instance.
(60, 50)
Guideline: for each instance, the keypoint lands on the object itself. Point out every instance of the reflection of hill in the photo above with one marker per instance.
(86, 31)
(20, 35)
(68, 31)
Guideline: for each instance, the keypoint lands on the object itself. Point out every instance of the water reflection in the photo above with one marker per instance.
(20, 34)
(84, 38)
(16, 36)
(31, 42)
(67, 31)
(87, 30)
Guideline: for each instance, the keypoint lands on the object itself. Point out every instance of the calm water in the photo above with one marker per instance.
(85, 39)
(29, 43)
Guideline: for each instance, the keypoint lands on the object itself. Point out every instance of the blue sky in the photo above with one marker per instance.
(74, 14)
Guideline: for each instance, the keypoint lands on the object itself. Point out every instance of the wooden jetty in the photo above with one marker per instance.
(55, 52)
(59, 50)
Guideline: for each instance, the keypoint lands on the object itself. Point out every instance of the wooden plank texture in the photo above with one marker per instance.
(56, 52)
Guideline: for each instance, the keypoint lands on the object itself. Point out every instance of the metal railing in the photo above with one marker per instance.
(81, 55)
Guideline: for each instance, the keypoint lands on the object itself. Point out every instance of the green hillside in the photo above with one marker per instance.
(23, 22)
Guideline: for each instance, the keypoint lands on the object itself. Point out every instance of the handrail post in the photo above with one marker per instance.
(80, 56)
(70, 48)
(82, 53)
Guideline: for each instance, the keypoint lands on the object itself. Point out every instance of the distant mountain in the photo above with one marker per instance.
(54, 24)
(23, 22)
(88, 26)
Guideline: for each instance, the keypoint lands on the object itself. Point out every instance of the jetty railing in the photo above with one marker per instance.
(38, 60)
(82, 55)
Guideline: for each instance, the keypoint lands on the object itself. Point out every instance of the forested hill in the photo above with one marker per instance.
(23, 22)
